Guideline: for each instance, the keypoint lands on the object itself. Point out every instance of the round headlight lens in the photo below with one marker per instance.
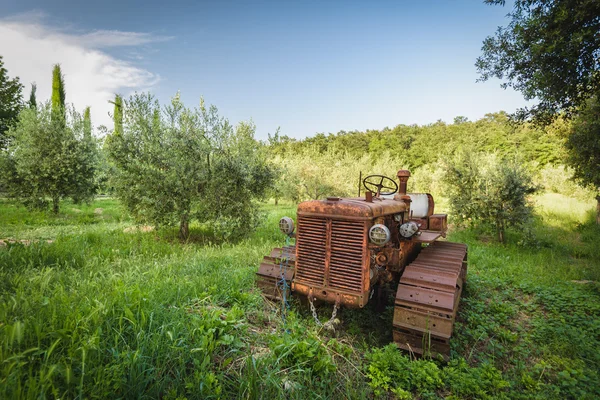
(379, 234)
(286, 225)
(408, 229)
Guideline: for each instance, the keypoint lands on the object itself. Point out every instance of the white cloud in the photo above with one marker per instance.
(101, 38)
(92, 77)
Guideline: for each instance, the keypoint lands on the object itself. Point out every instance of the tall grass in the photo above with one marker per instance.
(107, 312)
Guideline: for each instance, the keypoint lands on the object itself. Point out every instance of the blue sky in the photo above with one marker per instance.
(313, 66)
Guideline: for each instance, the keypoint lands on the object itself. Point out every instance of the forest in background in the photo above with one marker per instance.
(324, 165)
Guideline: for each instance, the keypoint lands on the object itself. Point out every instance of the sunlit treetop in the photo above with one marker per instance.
(550, 52)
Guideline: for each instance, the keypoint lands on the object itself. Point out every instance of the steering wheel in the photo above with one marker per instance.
(372, 182)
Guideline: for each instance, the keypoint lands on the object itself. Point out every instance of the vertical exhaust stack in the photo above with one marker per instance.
(403, 176)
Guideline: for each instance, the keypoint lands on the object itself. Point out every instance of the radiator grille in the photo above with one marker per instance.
(345, 260)
(311, 243)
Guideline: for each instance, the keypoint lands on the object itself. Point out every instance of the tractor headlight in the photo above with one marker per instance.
(286, 225)
(408, 229)
(379, 234)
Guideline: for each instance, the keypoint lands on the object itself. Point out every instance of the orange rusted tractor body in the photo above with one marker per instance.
(347, 246)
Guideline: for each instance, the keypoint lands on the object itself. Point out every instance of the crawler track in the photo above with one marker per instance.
(427, 299)
(280, 264)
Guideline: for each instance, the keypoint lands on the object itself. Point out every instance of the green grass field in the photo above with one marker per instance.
(92, 307)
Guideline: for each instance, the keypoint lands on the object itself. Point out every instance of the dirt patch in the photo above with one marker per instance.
(583, 282)
(98, 211)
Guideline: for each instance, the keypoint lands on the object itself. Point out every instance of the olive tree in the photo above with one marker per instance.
(549, 52)
(47, 158)
(487, 191)
(175, 165)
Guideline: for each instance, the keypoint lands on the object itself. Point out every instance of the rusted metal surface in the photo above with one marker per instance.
(335, 261)
(422, 222)
(428, 297)
(280, 264)
(352, 208)
(288, 252)
(331, 259)
(317, 292)
(428, 237)
(403, 176)
(420, 344)
(438, 222)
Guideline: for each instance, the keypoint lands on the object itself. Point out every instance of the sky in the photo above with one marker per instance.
(305, 67)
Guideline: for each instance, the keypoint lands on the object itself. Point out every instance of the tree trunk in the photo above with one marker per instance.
(500, 231)
(276, 200)
(184, 228)
(55, 207)
(598, 210)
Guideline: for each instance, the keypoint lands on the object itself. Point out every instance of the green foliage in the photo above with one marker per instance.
(104, 168)
(465, 382)
(307, 176)
(584, 146)
(58, 93)
(489, 191)
(390, 370)
(559, 179)
(48, 157)
(84, 181)
(548, 51)
(415, 146)
(11, 102)
(118, 115)
(32, 102)
(178, 165)
(302, 350)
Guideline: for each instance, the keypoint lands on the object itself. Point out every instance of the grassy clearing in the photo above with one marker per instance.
(106, 312)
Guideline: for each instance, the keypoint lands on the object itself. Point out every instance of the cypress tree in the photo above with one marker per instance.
(87, 124)
(118, 115)
(58, 92)
(32, 103)
(84, 185)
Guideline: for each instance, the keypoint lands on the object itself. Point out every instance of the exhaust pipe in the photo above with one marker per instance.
(403, 176)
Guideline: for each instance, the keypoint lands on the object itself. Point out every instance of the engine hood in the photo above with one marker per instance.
(352, 208)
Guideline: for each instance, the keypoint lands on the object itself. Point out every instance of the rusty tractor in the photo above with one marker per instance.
(347, 247)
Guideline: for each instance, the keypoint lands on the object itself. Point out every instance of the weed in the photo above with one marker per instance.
(103, 313)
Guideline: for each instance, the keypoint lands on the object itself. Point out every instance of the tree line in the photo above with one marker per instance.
(418, 145)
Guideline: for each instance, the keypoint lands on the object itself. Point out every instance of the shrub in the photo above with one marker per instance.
(488, 191)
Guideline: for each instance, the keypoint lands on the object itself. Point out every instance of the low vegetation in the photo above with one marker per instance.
(111, 309)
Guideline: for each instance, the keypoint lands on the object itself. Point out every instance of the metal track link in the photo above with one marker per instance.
(281, 261)
(427, 299)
